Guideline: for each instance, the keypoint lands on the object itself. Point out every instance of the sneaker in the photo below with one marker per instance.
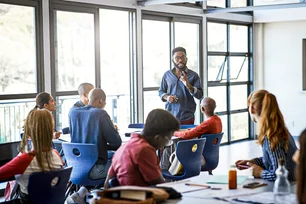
(75, 198)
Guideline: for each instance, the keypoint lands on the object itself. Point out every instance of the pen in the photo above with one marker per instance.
(194, 184)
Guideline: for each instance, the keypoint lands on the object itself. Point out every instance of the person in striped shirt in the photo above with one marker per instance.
(274, 138)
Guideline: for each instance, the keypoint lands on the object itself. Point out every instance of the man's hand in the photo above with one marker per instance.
(116, 127)
(185, 81)
(172, 99)
(56, 135)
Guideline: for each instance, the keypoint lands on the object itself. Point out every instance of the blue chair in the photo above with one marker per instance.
(82, 157)
(189, 154)
(211, 151)
(113, 182)
(41, 190)
(136, 125)
(187, 126)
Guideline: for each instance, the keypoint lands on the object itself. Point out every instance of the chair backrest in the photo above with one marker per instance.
(189, 153)
(113, 182)
(211, 151)
(187, 126)
(136, 125)
(42, 190)
(82, 157)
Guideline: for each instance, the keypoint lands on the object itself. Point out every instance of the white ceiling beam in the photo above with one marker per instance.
(255, 8)
(158, 2)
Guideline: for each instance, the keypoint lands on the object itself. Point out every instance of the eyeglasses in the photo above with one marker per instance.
(177, 58)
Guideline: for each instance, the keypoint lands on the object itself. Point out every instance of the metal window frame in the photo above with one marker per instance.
(56, 5)
(37, 5)
(172, 19)
(228, 84)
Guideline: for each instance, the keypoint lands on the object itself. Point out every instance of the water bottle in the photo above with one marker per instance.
(281, 188)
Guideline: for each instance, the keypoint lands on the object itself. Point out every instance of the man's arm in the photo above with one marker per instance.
(110, 175)
(199, 90)
(162, 91)
(199, 130)
(110, 133)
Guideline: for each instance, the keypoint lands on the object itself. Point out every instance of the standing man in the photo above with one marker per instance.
(179, 86)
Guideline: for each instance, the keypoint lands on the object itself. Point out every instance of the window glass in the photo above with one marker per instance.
(151, 100)
(156, 51)
(115, 63)
(216, 37)
(238, 3)
(239, 68)
(12, 116)
(75, 50)
(218, 93)
(18, 49)
(238, 38)
(238, 97)
(224, 128)
(239, 126)
(216, 3)
(190, 41)
(217, 68)
(63, 105)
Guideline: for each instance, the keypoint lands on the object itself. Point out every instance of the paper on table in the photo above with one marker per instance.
(223, 179)
(258, 198)
(181, 187)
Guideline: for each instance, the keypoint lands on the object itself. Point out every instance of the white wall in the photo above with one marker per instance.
(280, 46)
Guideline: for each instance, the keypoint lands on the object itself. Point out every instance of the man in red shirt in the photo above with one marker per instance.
(211, 125)
(135, 162)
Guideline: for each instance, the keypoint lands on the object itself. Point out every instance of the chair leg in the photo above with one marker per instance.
(69, 189)
(210, 172)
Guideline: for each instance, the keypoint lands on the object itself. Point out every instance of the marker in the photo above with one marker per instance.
(199, 185)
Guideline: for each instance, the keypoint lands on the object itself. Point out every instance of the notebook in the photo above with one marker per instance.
(223, 179)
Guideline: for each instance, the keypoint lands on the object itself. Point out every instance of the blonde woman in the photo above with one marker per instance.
(274, 137)
(37, 157)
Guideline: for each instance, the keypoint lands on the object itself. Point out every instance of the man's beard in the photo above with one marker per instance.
(178, 67)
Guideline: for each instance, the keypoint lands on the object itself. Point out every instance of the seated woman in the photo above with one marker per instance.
(37, 157)
(45, 101)
(300, 159)
(136, 163)
(274, 137)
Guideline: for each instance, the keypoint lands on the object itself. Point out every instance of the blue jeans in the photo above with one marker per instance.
(99, 171)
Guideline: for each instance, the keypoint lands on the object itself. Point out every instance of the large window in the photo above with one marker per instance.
(75, 53)
(116, 62)
(229, 65)
(157, 48)
(89, 48)
(19, 62)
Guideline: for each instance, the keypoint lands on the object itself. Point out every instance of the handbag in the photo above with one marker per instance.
(12, 190)
(130, 194)
(176, 167)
